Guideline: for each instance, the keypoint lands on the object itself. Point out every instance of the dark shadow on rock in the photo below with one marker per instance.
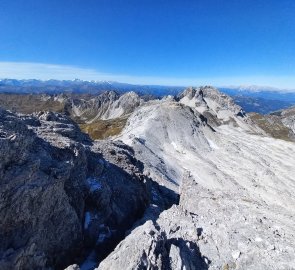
(159, 198)
(189, 253)
(116, 207)
(199, 231)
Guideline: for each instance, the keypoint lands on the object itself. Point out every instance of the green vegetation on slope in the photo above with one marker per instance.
(102, 129)
(272, 125)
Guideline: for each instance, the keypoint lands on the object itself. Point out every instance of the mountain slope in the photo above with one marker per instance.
(100, 115)
(85, 108)
(279, 124)
(160, 130)
(235, 183)
(108, 105)
(167, 135)
(288, 117)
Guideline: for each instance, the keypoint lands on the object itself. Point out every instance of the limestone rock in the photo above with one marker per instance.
(52, 179)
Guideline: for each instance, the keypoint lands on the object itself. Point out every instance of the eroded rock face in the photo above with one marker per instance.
(217, 107)
(35, 207)
(55, 184)
(108, 105)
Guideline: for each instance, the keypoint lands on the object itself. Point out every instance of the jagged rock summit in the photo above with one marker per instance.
(213, 104)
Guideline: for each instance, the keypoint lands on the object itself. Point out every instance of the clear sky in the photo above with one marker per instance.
(222, 42)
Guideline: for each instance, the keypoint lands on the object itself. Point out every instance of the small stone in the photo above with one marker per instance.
(236, 254)
(271, 247)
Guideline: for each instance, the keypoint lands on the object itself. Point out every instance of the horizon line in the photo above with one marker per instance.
(46, 72)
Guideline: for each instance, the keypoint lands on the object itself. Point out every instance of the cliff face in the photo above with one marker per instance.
(56, 184)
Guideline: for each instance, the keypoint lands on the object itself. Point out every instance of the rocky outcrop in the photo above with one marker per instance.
(108, 105)
(288, 118)
(62, 194)
(215, 106)
(209, 98)
(211, 229)
(169, 243)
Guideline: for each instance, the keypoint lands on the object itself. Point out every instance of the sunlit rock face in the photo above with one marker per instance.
(235, 185)
(108, 105)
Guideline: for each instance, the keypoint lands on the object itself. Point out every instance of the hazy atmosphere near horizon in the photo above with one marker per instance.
(214, 42)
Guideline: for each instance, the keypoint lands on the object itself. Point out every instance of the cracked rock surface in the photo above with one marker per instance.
(60, 193)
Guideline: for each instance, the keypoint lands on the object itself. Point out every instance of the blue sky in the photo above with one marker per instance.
(220, 42)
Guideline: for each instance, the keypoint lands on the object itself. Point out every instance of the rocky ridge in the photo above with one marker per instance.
(62, 194)
(100, 116)
(235, 184)
(83, 108)
(161, 131)
(230, 184)
(108, 105)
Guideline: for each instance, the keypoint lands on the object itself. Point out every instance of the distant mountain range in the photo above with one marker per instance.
(263, 92)
(79, 86)
(261, 100)
(253, 98)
